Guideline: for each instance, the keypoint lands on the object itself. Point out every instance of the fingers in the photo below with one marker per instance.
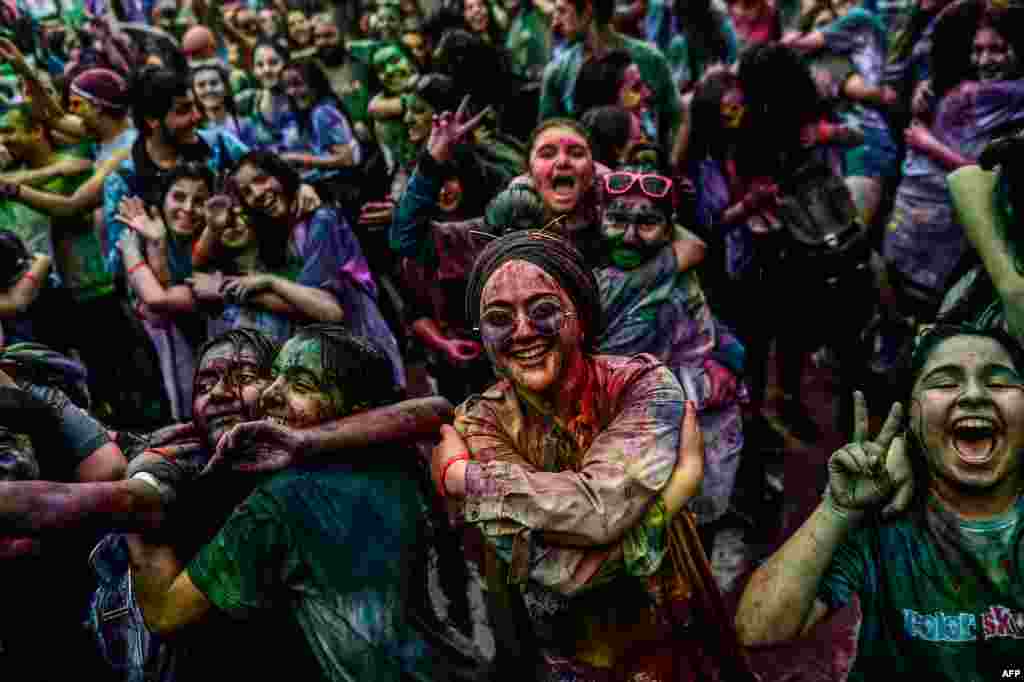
(476, 120)
(891, 427)
(460, 114)
(902, 477)
(850, 458)
(860, 418)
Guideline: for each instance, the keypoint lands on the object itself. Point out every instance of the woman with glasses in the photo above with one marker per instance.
(563, 464)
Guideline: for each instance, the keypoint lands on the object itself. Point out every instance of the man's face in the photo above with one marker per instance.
(562, 168)
(18, 134)
(388, 22)
(183, 206)
(393, 69)
(993, 57)
(568, 22)
(300, 31)
(301, 394)
(227, 389)
(417, 46)
(210, 88)
(269, 22)
(180, 123)
(528, 327)
(267, 66)
(634, 230)
(18, 460)
(247, 22)
(164, 16)
(326, 36)
(261, 192)
(85, 110)
(968, 414)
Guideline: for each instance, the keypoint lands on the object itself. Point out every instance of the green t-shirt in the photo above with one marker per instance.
(948, 602)
(334, 549)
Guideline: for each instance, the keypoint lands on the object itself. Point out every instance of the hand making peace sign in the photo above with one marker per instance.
(866, 473)
(449, 130)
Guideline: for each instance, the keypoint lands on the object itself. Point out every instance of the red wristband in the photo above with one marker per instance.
(140, 264)
(444, 471)
(824, 132)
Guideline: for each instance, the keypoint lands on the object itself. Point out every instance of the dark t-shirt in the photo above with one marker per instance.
(333, 550)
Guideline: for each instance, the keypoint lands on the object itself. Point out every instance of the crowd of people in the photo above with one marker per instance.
(430, 336)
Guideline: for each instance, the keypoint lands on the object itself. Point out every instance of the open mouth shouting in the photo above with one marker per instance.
(564, 191)
(975, 439)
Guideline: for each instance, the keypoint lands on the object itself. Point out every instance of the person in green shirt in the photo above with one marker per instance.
(599, 38)
(331, 548)
(940, 586)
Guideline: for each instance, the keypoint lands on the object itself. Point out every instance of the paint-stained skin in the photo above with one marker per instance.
(227, 387)
(562, 168)
(302, 395)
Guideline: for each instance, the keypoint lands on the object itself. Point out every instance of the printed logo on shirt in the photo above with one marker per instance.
(997, 621)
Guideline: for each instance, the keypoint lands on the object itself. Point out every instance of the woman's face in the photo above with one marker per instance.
(183, 206)
(475, 14)
(261, 192)
(634, 230)
(418, 118)
(301, 395)
(296, 87)
(211, 90)
(993, 57)
(561, 167)
(529, 326)
(968, 414)
(634, 95)
(268, 65)
(733, 108)
(269, 22)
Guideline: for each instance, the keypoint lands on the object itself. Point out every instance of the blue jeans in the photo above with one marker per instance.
(114, 617)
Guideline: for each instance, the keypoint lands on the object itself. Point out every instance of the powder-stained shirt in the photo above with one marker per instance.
(519, 479)
(941, 598)
(923, 239)
(334, 550)
(595, 481)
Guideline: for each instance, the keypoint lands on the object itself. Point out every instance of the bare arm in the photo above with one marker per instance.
(779, 603)
(341, 156)
(86, 197)
(166, 596)
(858, 89)
(382, 106)
(973, 193)
(36, 176)
(18, 298)
(689, 249)
(304, 301)
(36, 507)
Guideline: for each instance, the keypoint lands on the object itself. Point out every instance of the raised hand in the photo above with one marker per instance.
(130, 245)
(377, 213)
(217, 210)
(133, 213)
(867, 473)
(307, 201)
(449, 130)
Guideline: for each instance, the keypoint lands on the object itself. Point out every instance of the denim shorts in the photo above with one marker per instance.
(126, 645)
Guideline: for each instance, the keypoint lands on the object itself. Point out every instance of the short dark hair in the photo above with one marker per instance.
(263, 347)
(610, 127)
(191, 170)
(153, 92)
(354, 364)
